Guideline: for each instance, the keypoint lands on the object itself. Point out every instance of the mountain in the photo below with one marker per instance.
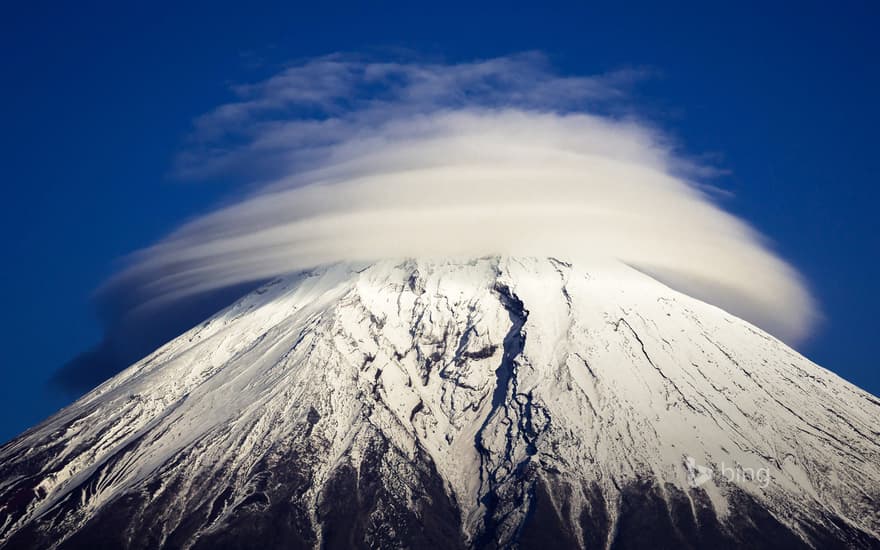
(499, 402)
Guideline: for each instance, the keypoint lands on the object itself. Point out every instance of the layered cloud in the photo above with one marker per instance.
(354, 160)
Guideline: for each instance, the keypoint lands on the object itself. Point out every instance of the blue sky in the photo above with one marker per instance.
(98, 98)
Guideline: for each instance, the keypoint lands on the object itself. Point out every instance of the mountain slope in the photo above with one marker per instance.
(496, 402)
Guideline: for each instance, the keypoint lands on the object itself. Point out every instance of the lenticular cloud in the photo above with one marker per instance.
(364, 160)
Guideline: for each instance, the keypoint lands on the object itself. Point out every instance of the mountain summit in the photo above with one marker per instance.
(498, 402)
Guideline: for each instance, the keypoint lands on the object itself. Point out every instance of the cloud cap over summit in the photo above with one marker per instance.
(352, 160)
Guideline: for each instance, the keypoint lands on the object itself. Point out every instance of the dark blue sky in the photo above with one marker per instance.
(97, 98)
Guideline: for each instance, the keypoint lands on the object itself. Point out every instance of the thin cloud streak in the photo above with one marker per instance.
(362, 161)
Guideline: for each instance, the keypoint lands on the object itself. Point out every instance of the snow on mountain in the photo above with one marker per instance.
(498, 402)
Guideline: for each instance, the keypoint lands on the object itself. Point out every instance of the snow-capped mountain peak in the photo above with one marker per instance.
(491, 402)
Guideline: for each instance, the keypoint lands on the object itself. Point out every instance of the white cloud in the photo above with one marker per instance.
(370, 160)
